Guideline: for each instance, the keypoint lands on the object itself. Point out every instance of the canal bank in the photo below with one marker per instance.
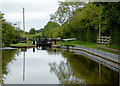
(115, 49)
(105, 55)
(106, 62)
(31, 46)
(23, 45)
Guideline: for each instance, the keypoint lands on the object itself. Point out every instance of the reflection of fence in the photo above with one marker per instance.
(104, 40)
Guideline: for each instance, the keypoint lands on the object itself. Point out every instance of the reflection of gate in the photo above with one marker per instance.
(104, 40)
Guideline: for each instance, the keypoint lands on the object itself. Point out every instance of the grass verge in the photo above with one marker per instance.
(90, 45)
(22, 44)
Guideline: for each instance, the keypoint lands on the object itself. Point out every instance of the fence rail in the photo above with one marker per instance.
(104, 40)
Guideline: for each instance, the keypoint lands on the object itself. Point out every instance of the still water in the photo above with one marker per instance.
(41, 66)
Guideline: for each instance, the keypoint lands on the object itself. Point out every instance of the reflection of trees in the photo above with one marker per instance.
(53, 51)
(7, 57)
(64, 73)
(88, 70)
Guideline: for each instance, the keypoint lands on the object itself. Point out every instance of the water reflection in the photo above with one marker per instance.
(51, 66)
(64, 73)
(8, 56)
(24, 50)
(31, 67)
(53, 51)
(90, 71)
(42, 47)
(33, 49)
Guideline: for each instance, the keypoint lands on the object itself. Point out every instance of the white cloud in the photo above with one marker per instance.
(28, 1)
(36, 11)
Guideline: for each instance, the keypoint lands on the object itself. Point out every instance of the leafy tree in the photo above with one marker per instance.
(65, 12)
(32, 31)
(110, 19)
(54, 33)
(83, 23)
(65, 31)
(9, 33)
(50, 25)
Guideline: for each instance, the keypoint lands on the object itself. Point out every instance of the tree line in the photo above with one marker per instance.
(73, 19)
(10, 34)
(82, 21)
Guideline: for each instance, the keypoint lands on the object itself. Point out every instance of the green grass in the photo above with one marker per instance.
(29, 36)
(22, 44)
(89, 45)
(114, 46)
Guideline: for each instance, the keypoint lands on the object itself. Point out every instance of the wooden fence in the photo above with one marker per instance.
(104, 40)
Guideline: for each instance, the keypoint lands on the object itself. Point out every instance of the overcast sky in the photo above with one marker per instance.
(36, 11)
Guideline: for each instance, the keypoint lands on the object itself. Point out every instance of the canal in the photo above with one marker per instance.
(51, 66)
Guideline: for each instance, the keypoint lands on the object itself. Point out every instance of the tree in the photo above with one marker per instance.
(9, 33)
(83, 25)
(54, 33)
(32, 31)
(110, 19)
(65, 11)
(47, 28)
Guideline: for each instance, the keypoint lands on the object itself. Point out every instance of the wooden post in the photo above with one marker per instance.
(99, 31)
(99, 25)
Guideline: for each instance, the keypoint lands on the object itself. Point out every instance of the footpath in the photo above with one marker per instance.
(106, 55)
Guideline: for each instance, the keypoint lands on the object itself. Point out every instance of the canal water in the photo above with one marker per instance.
(51, 66)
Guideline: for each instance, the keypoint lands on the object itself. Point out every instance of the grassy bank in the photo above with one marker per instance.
(22, 44)
(90, 45)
